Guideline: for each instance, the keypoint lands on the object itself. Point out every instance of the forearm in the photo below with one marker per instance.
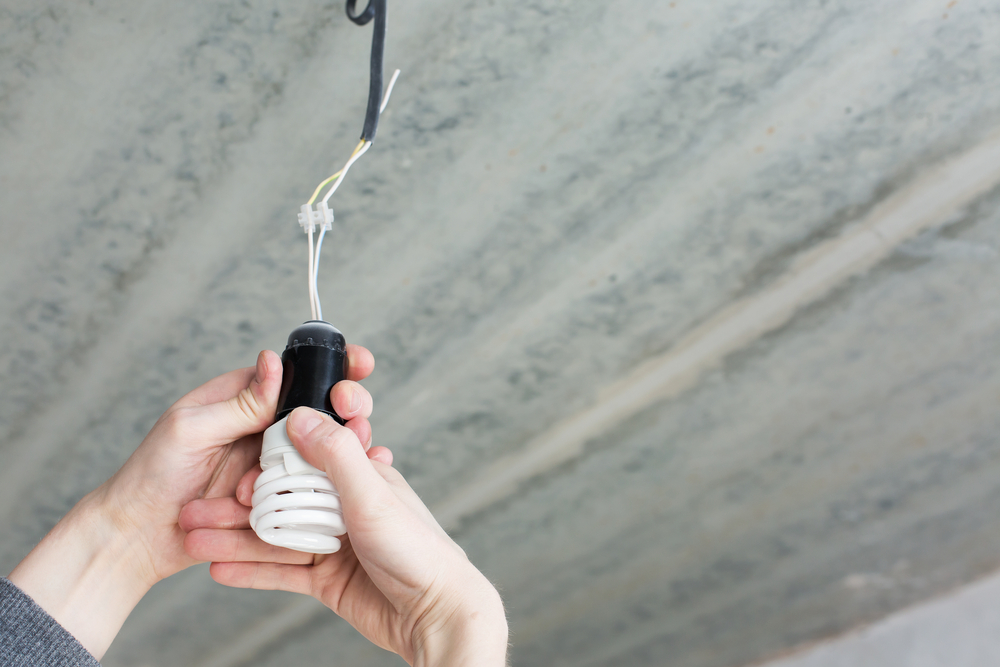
(86, 574)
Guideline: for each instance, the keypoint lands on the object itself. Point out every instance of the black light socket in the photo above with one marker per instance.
(314, 360)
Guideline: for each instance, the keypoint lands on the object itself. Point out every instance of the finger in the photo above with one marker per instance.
(362, 429)
(218, 389)
(244, 490)
(384, 522)
(264, 576)
(409, 497)
(360, 361)
(250, 410)
(224, 513)
(331, 447)
(381, 454)
(350, 399)
(406, 494)
(231, 546)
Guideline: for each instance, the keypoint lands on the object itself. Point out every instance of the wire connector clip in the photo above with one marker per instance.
(309, 217)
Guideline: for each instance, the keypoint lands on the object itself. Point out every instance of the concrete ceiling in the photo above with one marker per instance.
(959, 629)
(687, 314)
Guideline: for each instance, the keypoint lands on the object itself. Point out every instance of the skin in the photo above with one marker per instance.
(95, 565)
(399, 579)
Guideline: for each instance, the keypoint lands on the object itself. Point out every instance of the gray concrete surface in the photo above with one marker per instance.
(705, 297)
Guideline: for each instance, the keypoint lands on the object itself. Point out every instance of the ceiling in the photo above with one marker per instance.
(686, 314)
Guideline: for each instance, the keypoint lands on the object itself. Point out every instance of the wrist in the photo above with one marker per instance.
(471, 634)
(88, 573)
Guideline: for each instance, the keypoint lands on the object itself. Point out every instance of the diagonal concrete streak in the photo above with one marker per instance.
(268, 631)
(933, 198)
(929, 200)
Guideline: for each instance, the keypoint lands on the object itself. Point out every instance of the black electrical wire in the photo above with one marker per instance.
(376, 10)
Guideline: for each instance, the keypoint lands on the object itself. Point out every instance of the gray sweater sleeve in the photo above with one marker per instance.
(29, 637)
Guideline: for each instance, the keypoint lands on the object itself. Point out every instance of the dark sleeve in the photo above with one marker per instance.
(29, 637)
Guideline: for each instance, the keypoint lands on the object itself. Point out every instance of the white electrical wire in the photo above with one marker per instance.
(315, 274)
(313, 288)
(314, 302)
(343, 172)
(388, 91)
(367, 145)
(312, 275)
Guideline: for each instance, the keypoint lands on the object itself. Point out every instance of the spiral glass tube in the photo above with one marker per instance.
(294, 504)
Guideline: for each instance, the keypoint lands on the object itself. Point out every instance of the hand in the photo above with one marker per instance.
(399, 578)
(205, 443)
(102, 557)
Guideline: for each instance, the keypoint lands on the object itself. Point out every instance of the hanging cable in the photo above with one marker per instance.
(377, 101)
(374, 10)
(359, 150)
(385, 101)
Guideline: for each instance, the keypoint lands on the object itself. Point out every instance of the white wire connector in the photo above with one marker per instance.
(327, 214)
(309, 220)
(312, 218)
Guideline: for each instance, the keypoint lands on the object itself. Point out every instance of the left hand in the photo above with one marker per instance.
(119, 540)
(205, 443)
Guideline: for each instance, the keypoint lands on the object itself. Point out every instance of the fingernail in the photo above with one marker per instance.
(261, 368)
(355, 401)
(305, 420)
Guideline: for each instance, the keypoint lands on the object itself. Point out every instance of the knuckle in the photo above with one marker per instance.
(235, 517)
(237, 546)
(175, 423)
(247, 406)
(393, 477)
(337, 437)
(345, 388)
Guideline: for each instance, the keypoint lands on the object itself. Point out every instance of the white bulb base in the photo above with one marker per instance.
(294, 504)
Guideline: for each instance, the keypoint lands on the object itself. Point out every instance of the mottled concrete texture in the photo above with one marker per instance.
(687, 314)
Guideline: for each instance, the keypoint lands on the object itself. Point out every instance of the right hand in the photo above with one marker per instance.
(399, 579)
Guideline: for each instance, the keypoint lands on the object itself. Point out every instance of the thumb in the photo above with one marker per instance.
(250, 410)
(336, 449)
